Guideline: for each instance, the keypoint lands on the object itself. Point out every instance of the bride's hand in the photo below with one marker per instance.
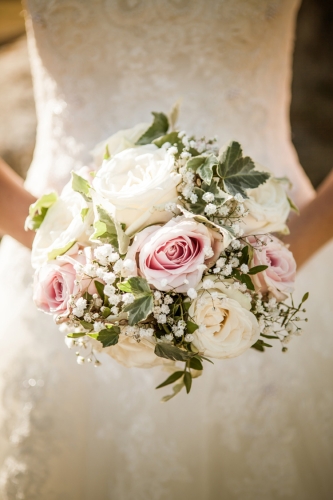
(14, 205)
(314, 227)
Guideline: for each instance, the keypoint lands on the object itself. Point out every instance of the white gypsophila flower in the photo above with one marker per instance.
(235, 227)
(191, 293)
(227, 270)
(128, 298)
(102, 253)
(87, 317)
(100, 271)
(137, 180)
(168, 300)
(221, 262)
(117, 267)
(109, 290)
(168, 337)
(210, 209)
(187, 190)
(114, 257)
(171, 207)
(115, 310)
(161, 318)
(189, 337)
(98, 326)
(157, 310)
(208, 197)
(114, 299)
(234, 262)
(209, 252)
(165, 309)
(181, 324)
(244, 268)
(90, 270)
(173, 150)
(216, 270)
(78, 312)
(235, 244)
(157, 295)
(109, 278)
(69, 342)
(129, 265)
(81, 303)
(193, 198)
(185, 155)
(238, 197)
(208, 284)
(80, 360)
(223, 211)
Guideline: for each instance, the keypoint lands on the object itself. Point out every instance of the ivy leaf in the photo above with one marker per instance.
(238, 173)
(188, 381)
(196, 364)
(135, 285)
(169, 351)
(38, 210)
(80, 185)
(109, 231)
(203, 166)
(88, 326)
(175, 376)
(84, 213)
(107, 337)
(191, 327)
(56, 252)
(257, 269)
(158, 128)
(199, 206)
(139, 309)
(220, 197)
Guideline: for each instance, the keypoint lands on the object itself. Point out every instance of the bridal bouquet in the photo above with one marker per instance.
(164, 255)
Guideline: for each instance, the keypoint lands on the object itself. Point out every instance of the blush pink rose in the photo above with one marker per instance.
(174, 256)
(54, 282)
(279, 277)
(53, 285)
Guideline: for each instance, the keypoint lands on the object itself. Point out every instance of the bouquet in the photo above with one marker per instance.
(163, 253)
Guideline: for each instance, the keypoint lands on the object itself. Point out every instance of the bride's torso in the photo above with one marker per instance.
(103, 65)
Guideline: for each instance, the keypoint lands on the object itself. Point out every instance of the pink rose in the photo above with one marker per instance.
(279, 277)
(54, 282)
(53, 285)
(174, 256)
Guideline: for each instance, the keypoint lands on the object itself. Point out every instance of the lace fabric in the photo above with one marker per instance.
(254, 427)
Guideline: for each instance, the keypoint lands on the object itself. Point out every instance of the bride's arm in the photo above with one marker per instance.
(314, 227)
(14, 205)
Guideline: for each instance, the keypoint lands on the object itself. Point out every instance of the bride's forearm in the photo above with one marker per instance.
(314, 227)
(14, 205)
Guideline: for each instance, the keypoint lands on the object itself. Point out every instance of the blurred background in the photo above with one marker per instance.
(312, 89)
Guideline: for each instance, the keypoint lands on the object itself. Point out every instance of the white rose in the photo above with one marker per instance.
(62, 225)
(138, 182)
(123, 139)
(227, 328)
(268, 207)
(130, 353)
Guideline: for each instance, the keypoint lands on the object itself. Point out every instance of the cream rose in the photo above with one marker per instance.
(62, 226)
(227, 328)
(268, 207)
(139, 182)
(132, 354)
(123, 139)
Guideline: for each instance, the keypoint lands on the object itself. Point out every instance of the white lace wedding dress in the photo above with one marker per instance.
(255, 427)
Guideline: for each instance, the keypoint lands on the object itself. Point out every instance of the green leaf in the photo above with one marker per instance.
(38, 210)
(158, 128)
(100, 288)
(86, 325)
(292, 205)
(176, 389)
(245, 278)
(191, 327)
(188, 381)
(199, 206)
(140, 309)
(135, 285)
(108, 337)
(305, 297)
(186, 306)
(245, 256)
(239, 173)
(172, 138)
(169, 351)
(175, 376)
(173, 115)
(106, 312)
(258, 346)
(220, 196)
(84, 212)
(207, 359)
(56, 252)
(257, 269)
(196, 364)
(269, 336)
(80, 185)
(76, 336)
(109, 231)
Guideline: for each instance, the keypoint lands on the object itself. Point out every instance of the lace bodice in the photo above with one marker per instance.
(103, 65)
